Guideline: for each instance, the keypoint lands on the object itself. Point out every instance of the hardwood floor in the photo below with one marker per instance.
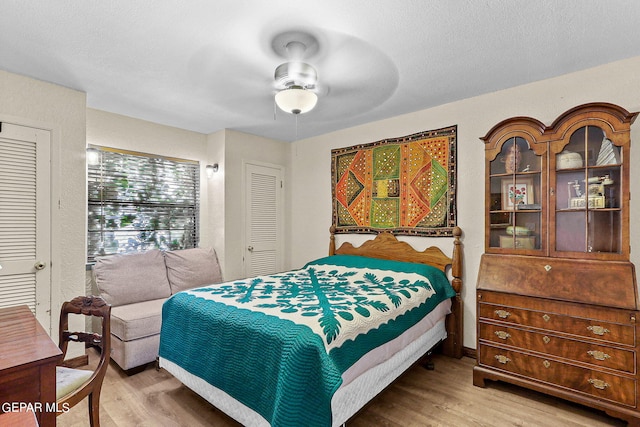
(442, 397)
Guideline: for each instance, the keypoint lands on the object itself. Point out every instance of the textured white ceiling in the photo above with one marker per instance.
(207, 65)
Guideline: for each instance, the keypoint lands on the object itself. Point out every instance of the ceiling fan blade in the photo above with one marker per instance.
(356, 77)
(213, 74)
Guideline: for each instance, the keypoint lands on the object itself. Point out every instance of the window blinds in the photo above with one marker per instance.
(138, 202)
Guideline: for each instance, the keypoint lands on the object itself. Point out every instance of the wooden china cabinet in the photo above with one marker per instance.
(557, 301)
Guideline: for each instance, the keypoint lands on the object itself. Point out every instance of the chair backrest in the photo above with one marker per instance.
(88, 306)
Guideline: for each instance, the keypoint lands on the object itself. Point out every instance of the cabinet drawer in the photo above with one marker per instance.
(581, 351)
(598, 384)
(20, 386)
(588, 328)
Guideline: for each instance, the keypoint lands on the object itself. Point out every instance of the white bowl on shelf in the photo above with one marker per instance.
(568, 160)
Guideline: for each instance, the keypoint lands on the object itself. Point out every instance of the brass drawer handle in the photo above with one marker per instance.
(598, 355)
(546, 318)
(599, 384)
(503, 314)
(547, 268)
(546, 339)
(598, 330)
(502, 359)
(502, 335)
(546, 364)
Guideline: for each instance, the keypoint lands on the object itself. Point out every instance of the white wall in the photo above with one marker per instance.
(213, 212)
(617, 83)
(38, 104)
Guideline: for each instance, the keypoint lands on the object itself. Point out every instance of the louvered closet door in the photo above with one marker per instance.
(264, 220)
(25, 227)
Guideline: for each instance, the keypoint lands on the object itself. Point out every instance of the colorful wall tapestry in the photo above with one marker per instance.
(406, 185)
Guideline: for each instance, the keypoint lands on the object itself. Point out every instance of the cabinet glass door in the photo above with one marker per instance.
(515, 209)
(588, 214)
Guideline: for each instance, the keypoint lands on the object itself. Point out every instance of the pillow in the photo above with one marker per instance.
(126, 279)
(190, 268)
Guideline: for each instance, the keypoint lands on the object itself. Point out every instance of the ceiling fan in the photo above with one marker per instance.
(240, 79)
(295, 80)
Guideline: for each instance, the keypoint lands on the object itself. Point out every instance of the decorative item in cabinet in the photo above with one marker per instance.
(568, 160)
(515, 242)
(517, 192)
(557, 295)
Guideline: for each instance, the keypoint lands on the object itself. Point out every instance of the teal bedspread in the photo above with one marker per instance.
(279, 344)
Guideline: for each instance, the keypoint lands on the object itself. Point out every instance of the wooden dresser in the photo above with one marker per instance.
(557, 299)
(28, 359)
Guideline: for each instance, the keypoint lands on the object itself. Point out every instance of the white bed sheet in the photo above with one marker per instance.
(361, 383)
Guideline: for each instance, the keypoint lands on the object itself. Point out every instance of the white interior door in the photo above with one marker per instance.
(25, 219)
(264, 220)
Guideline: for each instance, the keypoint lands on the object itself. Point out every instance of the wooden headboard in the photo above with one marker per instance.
(386, 246)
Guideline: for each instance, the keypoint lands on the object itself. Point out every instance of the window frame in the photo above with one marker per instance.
(162, 202)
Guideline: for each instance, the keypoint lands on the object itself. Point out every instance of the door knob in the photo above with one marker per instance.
(250, 248)
(39, 265)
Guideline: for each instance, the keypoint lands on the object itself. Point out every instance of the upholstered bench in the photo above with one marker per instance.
(136, 286)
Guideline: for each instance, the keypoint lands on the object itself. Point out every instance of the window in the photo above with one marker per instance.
(138, 202)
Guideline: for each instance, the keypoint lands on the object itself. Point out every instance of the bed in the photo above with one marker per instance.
(312, 346)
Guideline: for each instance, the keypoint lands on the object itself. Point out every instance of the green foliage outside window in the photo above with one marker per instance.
(138, 202)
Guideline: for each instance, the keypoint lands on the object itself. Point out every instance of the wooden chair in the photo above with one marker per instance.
(73, 385)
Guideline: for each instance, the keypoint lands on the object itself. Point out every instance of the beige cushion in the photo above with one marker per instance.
(130, 354)
(190, 268)
(139, 320)
(68, 380)
(126, 279)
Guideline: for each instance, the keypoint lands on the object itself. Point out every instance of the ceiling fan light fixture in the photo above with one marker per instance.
(296, 100)
(295, 73)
